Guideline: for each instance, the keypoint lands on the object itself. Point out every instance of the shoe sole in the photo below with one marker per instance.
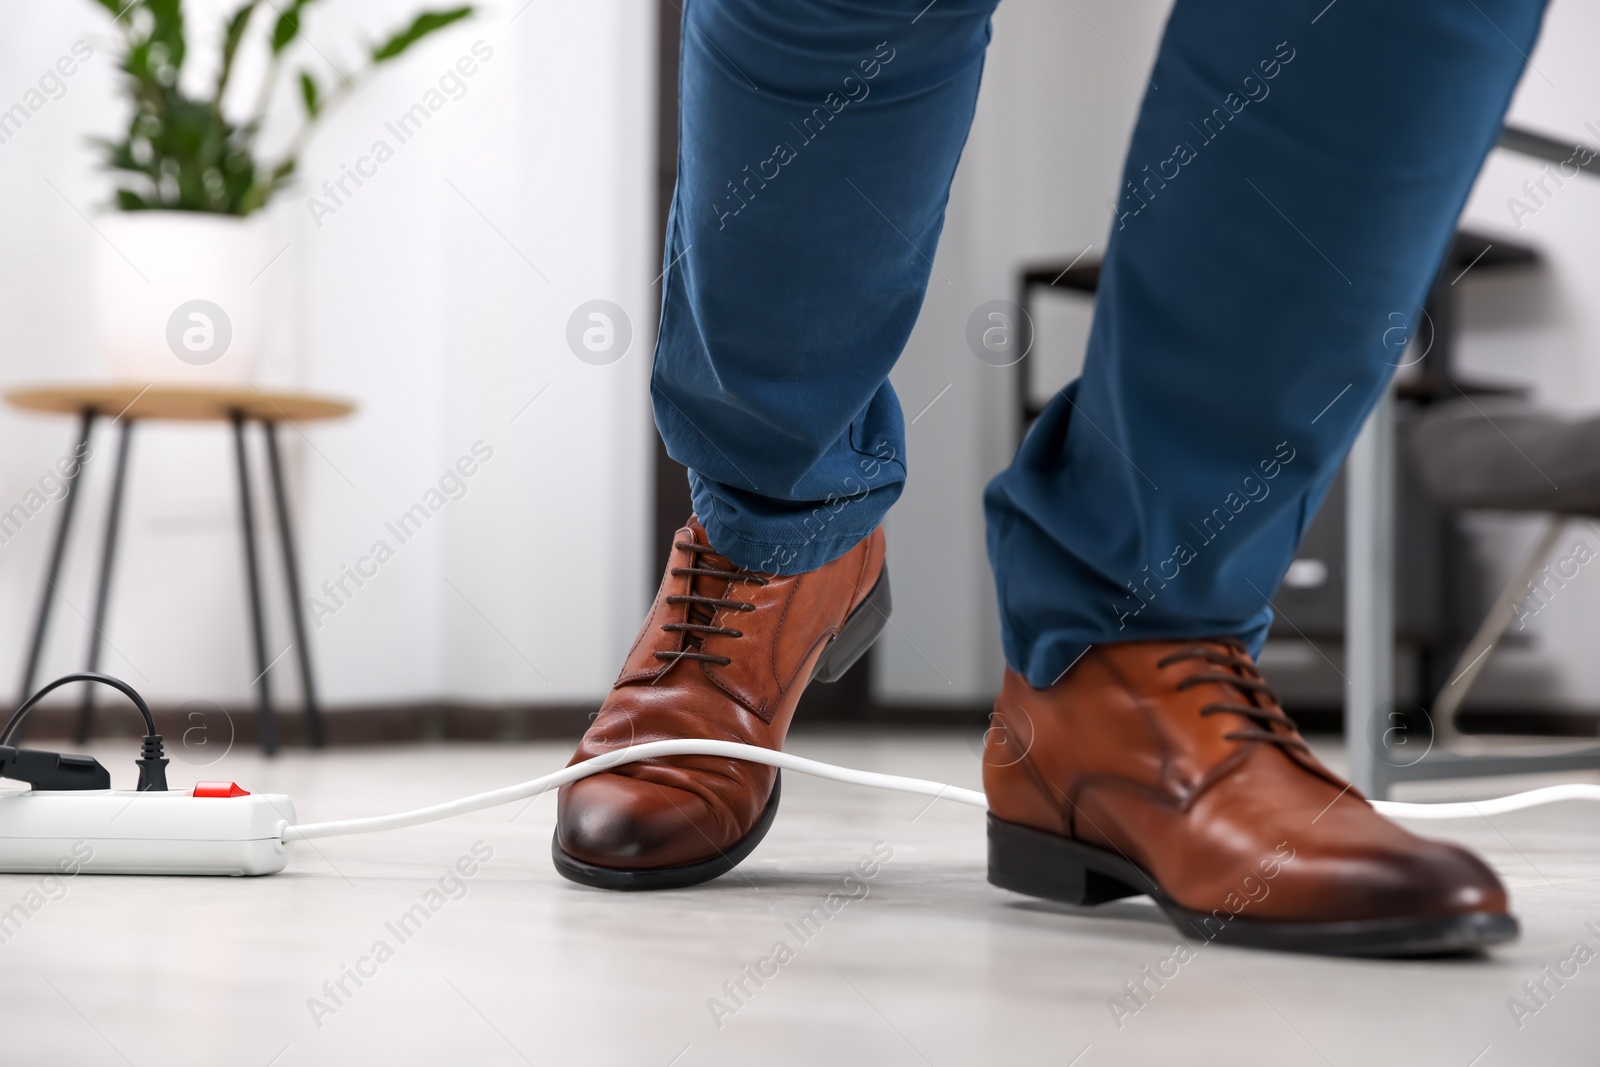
(859, 631)
(1040, 864)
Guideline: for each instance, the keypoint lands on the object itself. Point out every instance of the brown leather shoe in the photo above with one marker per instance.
(724, 654)
(1168, 768)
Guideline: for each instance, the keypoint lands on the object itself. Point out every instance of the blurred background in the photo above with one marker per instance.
(440, 294)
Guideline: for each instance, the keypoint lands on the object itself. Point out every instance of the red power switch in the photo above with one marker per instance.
(219, 789)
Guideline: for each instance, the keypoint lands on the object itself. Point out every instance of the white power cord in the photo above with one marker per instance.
(1495, 806)
(895, 782)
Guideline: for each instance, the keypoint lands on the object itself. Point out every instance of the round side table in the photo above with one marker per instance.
(126, 403)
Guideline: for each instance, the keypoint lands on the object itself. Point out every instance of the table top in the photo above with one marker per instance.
(142, 400)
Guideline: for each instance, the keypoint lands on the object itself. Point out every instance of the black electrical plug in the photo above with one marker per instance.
(52, 770)
(152, 765)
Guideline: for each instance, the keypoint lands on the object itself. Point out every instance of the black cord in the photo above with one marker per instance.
(82, 676)
(151, 762)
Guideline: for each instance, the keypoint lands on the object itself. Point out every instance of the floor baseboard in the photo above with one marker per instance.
(201, 728)
(194, 729)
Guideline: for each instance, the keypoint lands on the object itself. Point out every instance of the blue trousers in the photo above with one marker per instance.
(1290, 190)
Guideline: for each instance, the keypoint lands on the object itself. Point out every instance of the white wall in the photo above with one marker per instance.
(421, 297)
(1055, 114)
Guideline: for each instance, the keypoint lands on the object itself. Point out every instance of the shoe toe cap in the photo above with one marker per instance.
(614, 820)
(1448, 879)
(1427, 879)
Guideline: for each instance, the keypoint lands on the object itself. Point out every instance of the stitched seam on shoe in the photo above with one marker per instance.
(1118, 782)
(1217, 774)
(820, 643)
(737, 697)
(1041, 784)
(1317, 770)
(639, 676)
(777, 636)
(705, 669)
(1068, 818)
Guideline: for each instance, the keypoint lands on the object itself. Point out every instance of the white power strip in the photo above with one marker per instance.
(222, 830)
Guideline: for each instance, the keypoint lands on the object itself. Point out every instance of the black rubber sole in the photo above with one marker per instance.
(689, 874)
(1039, 864)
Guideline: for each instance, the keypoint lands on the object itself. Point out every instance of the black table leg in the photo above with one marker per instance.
(291, 573)
(102, 595)
(69, 500)
(269, 727)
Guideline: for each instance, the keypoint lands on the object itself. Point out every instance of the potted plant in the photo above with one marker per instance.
(185, 239)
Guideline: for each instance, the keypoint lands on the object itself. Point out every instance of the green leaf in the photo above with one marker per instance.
(287, 27)
(181, 152)
(308, 93)
(166, 29)
(230, 45)
(424, 24)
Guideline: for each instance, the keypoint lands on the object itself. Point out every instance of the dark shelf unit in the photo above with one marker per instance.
(1437, 588)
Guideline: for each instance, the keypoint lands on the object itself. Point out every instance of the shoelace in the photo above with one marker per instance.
(698, 619)
(1246, 678)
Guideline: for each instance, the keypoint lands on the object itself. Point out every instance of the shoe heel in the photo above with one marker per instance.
(1043, 865)
(862, 628)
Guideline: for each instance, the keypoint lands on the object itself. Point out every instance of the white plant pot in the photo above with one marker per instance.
(179, 296)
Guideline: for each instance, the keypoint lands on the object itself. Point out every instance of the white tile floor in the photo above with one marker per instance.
(930, 965)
